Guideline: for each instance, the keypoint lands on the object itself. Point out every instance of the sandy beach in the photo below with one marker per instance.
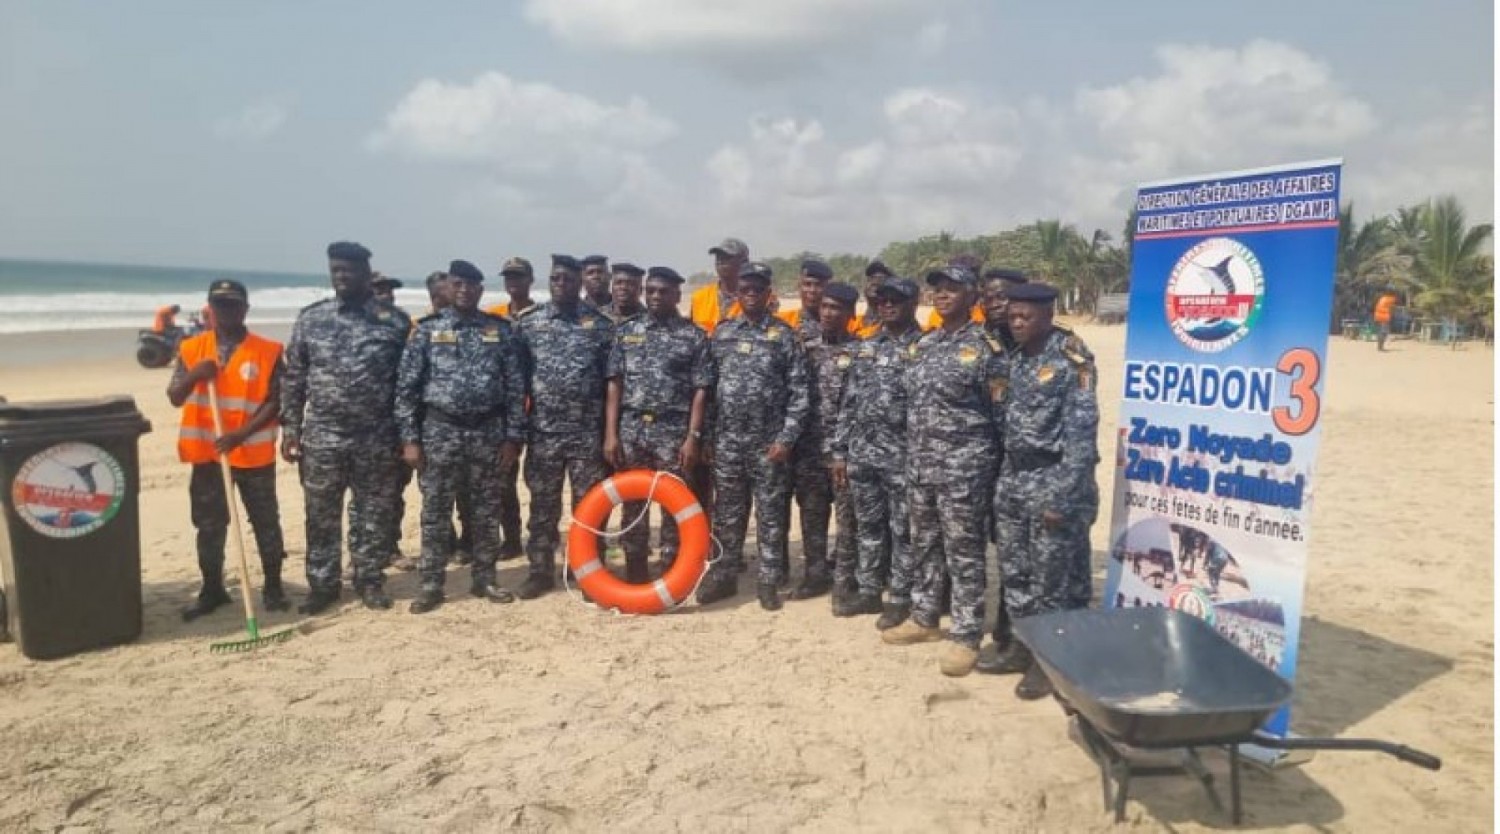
(550, 715)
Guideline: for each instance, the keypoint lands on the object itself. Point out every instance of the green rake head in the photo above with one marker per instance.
(255, 641)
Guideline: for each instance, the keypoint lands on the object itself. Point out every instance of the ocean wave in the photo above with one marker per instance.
(113, 310)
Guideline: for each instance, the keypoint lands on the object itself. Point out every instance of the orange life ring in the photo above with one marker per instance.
(678, 582)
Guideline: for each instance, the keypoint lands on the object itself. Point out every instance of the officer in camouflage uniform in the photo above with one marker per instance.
(955, 387)
(763, 405)
(459, 406)
(567, 343)
(869, 453)
(994, 297)
(660, 375)
(596, 282)
(338, 423)
(828, 358)
(625, 291)
(811, 487)
(1047, 498)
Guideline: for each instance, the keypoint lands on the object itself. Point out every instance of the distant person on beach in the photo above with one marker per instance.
(868, 451)
(955, 383)
(166, 319)
(245, 371)
(1047, 497)
(459, 408)
(338, 415)
(1385, 306)
(659, 376)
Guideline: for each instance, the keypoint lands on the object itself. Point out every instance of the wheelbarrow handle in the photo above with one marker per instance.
(1406, 754)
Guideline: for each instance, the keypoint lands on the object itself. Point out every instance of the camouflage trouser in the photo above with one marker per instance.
(947, 522)
(510, 503)
(812, 487)
(550, 458)
(739, 478)
(369, 469)
(1040, 569)
(655, 445)
(463, 466)
(463, 539)
(883, 519)
(210, 512)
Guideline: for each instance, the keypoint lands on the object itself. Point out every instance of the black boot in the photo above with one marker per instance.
(487, 589)
(866, 604)
(770, 597)
(318, 600)
(1011, 659)
(894, 614)
(1034, 684)
(375, 598)
(428, 599)
(273, 596)
(715, 588)
(212, 597)
(536, 584)
(815, 584)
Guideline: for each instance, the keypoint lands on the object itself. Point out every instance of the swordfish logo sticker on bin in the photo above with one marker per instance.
(69, 490)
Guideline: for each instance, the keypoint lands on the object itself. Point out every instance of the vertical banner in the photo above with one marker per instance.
(1230, 295)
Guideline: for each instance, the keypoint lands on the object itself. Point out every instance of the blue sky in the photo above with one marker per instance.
(251, 134)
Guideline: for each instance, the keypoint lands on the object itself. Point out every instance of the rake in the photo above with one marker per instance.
(255, 640)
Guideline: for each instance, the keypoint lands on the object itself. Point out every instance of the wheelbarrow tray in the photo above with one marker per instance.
(1153, 677)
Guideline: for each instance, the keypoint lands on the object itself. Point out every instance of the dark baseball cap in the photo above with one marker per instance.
(903, 289)
(951, 273)
(225, 289)
(731, 247)
(756, 269)
(386, 281)
(517, 266)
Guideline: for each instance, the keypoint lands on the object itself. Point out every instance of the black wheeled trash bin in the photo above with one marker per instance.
(70, 541)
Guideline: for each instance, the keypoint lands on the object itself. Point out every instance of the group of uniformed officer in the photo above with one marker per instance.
(924, 444)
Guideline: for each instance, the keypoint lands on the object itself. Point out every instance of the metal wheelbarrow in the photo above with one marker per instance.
(1157, 678)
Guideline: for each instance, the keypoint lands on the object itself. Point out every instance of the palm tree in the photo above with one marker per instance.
(1368, 263)
(1453, 279)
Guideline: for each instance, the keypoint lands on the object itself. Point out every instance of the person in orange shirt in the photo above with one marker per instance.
(876, 274)
(814, 276)
(1384, 307)
(518, 277)
(245, 371)
(716, 302)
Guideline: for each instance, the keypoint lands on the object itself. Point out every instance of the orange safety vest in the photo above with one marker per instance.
(1383, 309)
(934, 321)
(704, 308)
(243, 386)
(794, 318)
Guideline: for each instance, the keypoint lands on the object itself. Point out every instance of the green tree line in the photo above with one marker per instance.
(1427, 252)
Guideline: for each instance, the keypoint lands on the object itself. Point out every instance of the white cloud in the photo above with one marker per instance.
(750, 38)
(253, 122)
(1450, 155)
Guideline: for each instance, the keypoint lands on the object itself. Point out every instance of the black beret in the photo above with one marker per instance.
(904, 289)
(951, 273)
(628, 268)
(756, 269)
(1034, 292)
(516, 266)
(842, 293)
(594, 260)
(666, 273)
(344, 250)
(1012, 276)
(878, 267)
(466, 271)
(817, 269)
(227, 289)
(567, 262)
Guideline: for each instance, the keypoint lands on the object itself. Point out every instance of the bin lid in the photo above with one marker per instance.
(60, 416)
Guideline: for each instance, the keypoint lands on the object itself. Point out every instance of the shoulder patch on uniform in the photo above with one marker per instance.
(526, 312)
(1075, 357)
(994, 343)
(444, 337)
(429, 317)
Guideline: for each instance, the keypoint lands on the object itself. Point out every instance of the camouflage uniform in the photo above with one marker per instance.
(461, 395)
(871, 438)
(660, 365)
(828, 365)
(338, 401)
(565, 357)
(1051, 447)
(761, 398)
(955, 382)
